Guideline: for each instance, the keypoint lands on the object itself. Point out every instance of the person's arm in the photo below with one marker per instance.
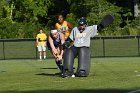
(61, 54)
(55, 55)
(52, 45)
(70, 26)
(55, 27)
(45, 38)
(62, 37)
(36, 40)
(71, 39)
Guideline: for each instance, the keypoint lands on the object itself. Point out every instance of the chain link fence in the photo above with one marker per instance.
(127, 46)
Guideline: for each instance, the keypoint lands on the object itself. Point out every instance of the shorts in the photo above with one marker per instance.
(41, 48)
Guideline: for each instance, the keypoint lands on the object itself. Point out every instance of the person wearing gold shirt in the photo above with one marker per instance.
(63, 26)
(41, 44)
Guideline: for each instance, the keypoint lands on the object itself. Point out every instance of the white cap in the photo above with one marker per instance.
(53, 31)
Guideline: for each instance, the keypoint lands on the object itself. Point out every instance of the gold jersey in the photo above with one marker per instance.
(63, 28)
(41, 39)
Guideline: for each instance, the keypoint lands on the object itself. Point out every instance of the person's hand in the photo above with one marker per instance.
(66, 44)
(45, 44)
(59, 57)
(36, 44)
(55, 51)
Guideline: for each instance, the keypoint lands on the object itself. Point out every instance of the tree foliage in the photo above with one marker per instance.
(22, 18)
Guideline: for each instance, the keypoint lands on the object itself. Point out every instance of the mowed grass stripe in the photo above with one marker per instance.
(107, 74)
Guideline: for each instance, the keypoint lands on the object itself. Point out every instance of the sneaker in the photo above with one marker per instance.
(73, 76)
(81, 73)
(67, 74)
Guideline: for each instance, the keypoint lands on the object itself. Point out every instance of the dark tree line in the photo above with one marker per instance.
(22, 18)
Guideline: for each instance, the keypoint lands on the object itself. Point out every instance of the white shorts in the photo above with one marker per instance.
(41, 48)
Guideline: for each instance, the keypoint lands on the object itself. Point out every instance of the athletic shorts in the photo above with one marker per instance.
(41, 48)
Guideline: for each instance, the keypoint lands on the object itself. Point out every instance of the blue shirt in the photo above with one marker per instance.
(56, 42)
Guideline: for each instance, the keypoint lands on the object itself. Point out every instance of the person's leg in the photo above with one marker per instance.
(59, 61)
(60, 65)
(69, 55)
(44, 51)
(40, 55)
(40, 52)
(83, 61)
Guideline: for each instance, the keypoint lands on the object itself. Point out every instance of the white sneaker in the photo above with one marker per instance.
(73, 76)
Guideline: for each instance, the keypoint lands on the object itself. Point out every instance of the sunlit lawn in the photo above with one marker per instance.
(108, 75)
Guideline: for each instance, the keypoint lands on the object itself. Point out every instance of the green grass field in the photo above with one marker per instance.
(108, 75)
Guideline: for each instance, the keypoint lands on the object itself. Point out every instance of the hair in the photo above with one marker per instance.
(61, 15)
(52, 28)
(40, 29)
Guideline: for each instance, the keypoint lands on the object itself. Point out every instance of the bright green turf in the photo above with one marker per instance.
(108, 75)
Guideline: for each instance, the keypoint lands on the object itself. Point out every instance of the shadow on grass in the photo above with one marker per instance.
(2, 71)
(48, 74)
(48, 68)
(71, 91)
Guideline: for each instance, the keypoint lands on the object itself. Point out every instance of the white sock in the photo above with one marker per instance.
(40, 57)
(44, 57)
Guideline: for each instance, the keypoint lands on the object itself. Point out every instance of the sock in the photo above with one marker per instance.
(40, 57)
(44, 57)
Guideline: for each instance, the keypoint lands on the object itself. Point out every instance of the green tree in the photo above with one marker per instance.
(30, 10)
(22, 18)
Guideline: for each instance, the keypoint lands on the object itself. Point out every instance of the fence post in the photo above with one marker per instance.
(138, 47)
(103, 47)
(3, 50)
(36, 52)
